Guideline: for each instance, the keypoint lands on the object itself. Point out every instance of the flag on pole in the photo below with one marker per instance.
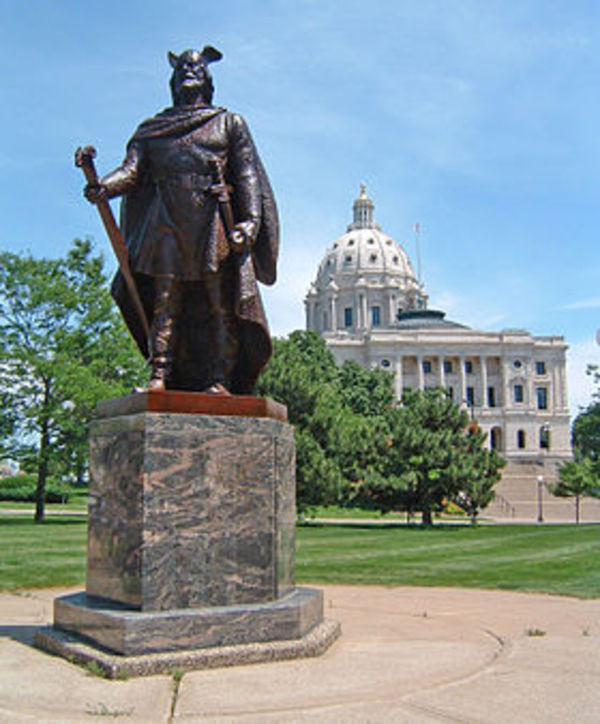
(416, 227)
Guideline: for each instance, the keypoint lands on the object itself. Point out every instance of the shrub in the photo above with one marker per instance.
(21, 488)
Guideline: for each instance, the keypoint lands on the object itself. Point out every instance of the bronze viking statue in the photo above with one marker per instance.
(199, 221)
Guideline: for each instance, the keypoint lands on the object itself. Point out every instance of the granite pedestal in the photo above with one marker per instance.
(191, 533)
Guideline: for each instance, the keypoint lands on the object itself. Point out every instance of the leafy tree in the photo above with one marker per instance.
(334, 411)
(63, 349)
(577, 479)
(586, 428)
(480, 473)
(302, 374)
(366, 392)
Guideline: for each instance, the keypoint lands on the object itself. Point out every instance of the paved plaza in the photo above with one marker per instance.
(405, 655)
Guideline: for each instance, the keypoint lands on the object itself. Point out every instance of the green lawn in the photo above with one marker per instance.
(555, 558)
(50, 554)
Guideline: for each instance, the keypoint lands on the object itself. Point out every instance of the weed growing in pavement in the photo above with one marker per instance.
(535, 632)
(101, 709)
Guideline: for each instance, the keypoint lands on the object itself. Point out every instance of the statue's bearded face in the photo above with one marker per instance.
(190, 75)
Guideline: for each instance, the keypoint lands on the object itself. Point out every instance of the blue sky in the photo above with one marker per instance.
(480, 120)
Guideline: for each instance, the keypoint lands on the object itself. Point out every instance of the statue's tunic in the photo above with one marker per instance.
(172, 226)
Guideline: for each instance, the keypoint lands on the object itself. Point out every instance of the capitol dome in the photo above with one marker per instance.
(365, 279)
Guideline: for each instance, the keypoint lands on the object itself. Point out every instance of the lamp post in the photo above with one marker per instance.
(545, 445)
(540, 484)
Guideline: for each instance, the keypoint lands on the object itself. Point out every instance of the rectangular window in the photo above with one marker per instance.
(542, 398)
(468, 366)
(447, 366)
(348, 317)
(426, 366)
(521, 439)
(470, 396)
(491, 396)
(376, 316)
(540, 368)
(518, 393)
(450, 393)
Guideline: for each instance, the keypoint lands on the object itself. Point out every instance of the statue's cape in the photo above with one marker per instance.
(258, 264)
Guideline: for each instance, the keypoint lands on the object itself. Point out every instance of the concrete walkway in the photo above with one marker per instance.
(405, 655)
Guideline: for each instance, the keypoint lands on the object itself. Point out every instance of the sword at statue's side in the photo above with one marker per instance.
(84, 159)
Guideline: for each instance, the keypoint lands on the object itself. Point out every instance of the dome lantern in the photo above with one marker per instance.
(363, 211)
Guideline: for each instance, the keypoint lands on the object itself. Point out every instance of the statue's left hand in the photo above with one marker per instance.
(240, 239)
(237, 241)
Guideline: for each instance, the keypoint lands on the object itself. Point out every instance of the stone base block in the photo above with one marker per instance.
(189, 510)
(128, 632)
(114, 666)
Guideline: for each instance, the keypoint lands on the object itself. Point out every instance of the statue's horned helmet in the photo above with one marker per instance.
(191, 59)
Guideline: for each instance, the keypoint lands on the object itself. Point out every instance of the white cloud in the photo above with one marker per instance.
(593, 303)
(580, 386)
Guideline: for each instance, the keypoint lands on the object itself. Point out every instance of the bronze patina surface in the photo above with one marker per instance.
(200, 225)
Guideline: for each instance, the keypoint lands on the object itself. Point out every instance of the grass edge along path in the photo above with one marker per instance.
(558, 559)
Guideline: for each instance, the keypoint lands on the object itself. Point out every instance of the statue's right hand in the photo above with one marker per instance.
(95, 193)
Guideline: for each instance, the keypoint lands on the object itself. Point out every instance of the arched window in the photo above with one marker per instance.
(496, 438)
(545, 437)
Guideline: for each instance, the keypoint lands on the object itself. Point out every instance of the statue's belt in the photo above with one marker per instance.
(193, 182)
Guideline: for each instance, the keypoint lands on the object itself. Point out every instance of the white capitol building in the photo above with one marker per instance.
(369, 306)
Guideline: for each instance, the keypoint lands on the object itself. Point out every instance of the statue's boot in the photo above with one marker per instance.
(167, 302)
(224, 336)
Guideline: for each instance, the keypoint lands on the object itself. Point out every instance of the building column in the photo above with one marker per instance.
(442, 372)
(392, 309)
(333, 312)
(365, 317)
(484, 380)
(558, 387)
(420, 377)
(357, 322)
(506, 398)
(463, 380)
(398, 384)
(530, 402)
(562, 386)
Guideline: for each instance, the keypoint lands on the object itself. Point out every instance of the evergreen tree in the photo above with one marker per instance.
(431, 457)
(480, 473)
(586, 428)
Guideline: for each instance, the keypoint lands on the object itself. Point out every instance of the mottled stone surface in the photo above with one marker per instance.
(190, 510)
(128, 632)
(114, 666)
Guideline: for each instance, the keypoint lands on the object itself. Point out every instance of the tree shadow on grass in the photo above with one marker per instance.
(23, 521)
(375, 525)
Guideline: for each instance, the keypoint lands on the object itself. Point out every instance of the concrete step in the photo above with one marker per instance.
(553, 509)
